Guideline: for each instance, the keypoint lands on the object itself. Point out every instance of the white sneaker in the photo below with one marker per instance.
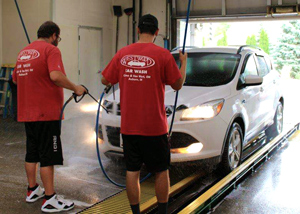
(35, 195)
(56, 204)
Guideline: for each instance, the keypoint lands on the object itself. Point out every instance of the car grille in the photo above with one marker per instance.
(109, 106)
(169, 110)
(113, 135)
(119, 109)
(180, 140)
(100, 133)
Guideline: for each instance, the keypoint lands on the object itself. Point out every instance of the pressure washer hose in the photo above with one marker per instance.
(106, 90)
(74, 96)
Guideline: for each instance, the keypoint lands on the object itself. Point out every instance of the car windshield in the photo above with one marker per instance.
(210, 69)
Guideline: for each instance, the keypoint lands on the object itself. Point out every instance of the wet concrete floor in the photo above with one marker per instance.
(80, 178)
(273, 189)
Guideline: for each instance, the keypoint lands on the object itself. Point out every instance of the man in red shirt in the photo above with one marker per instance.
(40, 76)
(142, 71)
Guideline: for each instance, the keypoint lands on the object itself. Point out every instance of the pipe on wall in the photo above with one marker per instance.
(141, 9)
(133, 21)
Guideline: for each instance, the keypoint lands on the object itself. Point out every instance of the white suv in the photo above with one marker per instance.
(231, 94)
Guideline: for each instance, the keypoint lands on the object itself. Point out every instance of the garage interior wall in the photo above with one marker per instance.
(154, 7)
(34, 13)
(158, 9)
(69, 15)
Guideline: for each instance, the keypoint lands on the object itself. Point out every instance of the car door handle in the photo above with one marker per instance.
(261, 89)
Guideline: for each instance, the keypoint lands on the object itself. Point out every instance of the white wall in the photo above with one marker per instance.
(69, 14)
(158, 9)
(34, 13)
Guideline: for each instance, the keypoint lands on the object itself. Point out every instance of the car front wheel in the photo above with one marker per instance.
(232, 154)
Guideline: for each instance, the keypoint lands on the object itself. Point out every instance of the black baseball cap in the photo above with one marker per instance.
(148, 20)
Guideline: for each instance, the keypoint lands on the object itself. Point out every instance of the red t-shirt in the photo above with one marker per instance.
(39, 99)
(143, 70)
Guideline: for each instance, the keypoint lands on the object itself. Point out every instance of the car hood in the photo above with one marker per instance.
(189, 95)
(194, 95)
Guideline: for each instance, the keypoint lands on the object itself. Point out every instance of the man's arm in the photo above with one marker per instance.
(104, 81)
(183, 61)
(59, 79)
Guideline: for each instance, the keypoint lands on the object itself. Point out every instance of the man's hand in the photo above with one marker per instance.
(183, 62)
(182, 57)
(79, 90)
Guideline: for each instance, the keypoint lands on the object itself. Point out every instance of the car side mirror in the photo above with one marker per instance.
(252, 80)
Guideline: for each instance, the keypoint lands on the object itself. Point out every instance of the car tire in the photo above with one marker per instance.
(276, 128)
(232, 154)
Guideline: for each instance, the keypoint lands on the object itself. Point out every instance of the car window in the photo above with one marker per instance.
(269, 63)
(263, 69)
(210, 69)
(250, 68)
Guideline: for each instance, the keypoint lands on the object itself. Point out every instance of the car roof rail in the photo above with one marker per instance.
(186, 47)
(247, 46)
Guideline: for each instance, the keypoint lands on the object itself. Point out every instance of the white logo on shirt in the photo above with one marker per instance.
(136, 61)
(27, 55)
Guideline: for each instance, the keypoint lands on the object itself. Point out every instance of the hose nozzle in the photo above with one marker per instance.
(107, 88)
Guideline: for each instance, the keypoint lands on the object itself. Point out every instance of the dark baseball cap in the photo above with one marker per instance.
(148, 20)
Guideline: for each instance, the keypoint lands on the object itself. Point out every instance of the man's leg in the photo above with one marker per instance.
(47, 175)
(133, 161)
(31, 170)
(50, 153)
(162, 186)
(133, 187)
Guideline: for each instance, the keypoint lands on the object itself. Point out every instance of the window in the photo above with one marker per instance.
(250, 68)
(269, 63)
(263, 69)
(210, 69)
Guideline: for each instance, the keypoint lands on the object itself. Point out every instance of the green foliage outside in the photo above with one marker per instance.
(222, 30)
(223, 40)
(251, 40)
(264, 41)
(287, 50)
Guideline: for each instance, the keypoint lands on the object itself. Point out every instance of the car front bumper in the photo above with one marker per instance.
(210, 133)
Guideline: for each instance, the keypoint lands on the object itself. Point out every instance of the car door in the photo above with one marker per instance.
(267, 90)
(250, 98)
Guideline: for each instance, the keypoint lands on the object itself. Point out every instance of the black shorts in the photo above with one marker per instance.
(153, 151)
(43, 143)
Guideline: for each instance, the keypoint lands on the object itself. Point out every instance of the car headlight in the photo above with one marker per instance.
(203, 112)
